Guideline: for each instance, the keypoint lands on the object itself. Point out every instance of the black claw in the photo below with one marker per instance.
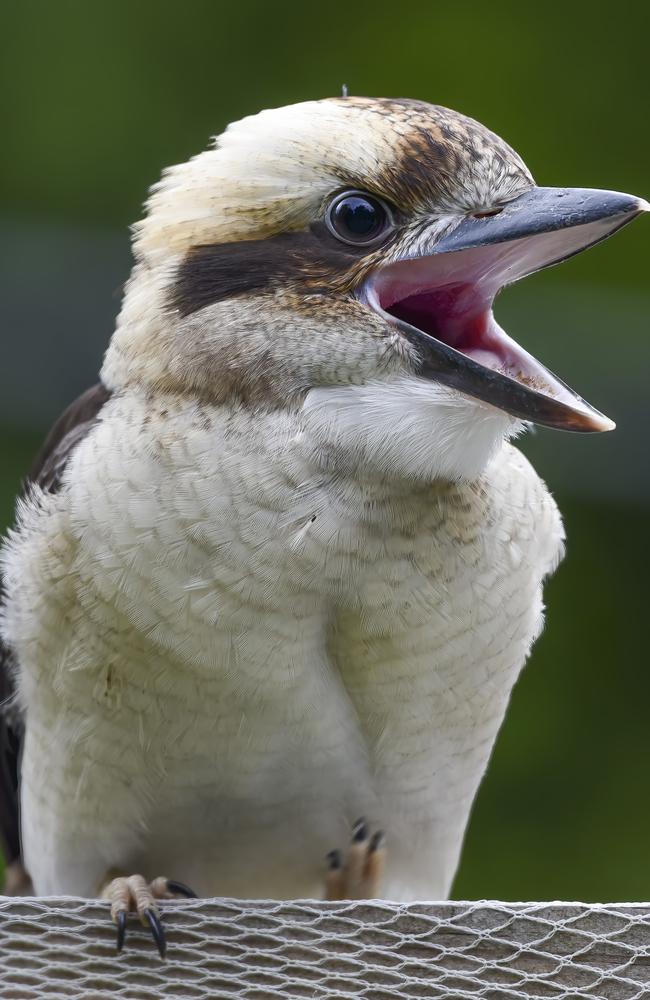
(359, 831)
(181, 889)
(376, 841)
(157, 931)
(121, 929)
(333, 860)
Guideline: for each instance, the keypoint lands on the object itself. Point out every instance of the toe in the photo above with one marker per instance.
(360, 831)
(152, 917)
(334, 878)
(120, 920)
(117, 892)
(167, 888)
(356, 860)
(374, 867)
(358, 875)
(180, 889)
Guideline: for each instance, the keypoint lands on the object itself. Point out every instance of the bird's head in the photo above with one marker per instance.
(339, 259)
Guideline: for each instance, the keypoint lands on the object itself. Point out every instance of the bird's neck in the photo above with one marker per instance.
(403, 432)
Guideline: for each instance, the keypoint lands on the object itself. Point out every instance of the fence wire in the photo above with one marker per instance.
(375, 950)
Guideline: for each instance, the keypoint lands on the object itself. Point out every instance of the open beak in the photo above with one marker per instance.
(442, 302)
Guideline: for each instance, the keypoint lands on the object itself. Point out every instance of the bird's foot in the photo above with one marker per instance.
(357, 873)
(134, 894)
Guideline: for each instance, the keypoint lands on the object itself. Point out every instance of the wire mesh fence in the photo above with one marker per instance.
(306, 949)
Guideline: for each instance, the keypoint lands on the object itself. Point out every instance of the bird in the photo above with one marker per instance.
(273, 578)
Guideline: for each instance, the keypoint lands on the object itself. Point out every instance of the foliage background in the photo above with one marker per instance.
(99, 97)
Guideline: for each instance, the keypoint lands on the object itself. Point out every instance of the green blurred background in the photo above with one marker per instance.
(99, 97)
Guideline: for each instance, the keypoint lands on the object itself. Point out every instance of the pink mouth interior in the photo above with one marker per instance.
(449, 296)
(459, 315)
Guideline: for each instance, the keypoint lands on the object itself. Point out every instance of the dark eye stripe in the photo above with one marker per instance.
(309, 261)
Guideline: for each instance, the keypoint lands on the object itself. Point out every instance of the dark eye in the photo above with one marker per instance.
(359, 218)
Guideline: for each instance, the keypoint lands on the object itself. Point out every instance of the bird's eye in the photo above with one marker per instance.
(359, 219)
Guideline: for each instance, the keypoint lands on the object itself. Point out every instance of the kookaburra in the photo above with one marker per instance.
(281, 568)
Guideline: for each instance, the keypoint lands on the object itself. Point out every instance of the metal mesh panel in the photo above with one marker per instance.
(376, 950)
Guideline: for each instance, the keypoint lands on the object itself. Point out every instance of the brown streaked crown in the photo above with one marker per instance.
(442, 158)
